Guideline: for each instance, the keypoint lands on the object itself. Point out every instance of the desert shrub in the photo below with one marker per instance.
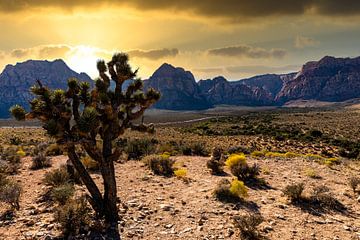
(258, 153)
(20, 152)
(15, 140)
(90, 163)
(160, 164)
(10, 155)
(247, 225)
(230, 191)
(240, 169)
(216, 162)
(137, 148)
(10, 192)
(39, 149)
(73, 217)
(53, 150)
(40, 161)
(199, 149)
(239, 149)
(61, 194)
(180, 173)
(354, 182)
(331, 161)
(186, 150)
(57, 177)
(294, 191)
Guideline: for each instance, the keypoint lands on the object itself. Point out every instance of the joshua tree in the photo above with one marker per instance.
(80, 116)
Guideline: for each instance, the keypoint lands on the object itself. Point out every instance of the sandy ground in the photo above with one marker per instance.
(155, 207)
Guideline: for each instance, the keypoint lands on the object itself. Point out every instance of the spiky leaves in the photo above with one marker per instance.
(88, 120)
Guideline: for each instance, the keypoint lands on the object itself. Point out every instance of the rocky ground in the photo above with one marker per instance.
(155, 207)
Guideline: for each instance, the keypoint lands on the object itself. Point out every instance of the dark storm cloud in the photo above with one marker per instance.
(154, 54)
(247, 51)
(227, 8)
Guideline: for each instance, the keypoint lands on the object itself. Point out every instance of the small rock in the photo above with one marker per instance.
(166, 207)
(347, 228)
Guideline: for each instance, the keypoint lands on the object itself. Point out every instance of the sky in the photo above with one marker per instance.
(232, 38)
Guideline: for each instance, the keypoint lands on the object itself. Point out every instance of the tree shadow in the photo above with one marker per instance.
(257, 184)
(319, 207)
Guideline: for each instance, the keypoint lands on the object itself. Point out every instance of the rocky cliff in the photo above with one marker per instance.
(16, 80)
(178, 89)
(330, 79)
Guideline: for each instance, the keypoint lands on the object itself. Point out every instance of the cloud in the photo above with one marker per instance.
(247, 51)
(20, 53)
(227, 8)
(154, 54)
(208, 70)
(302, 42)
(260, 69)
(56, 51)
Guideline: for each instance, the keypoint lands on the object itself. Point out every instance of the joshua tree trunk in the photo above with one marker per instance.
(96, 199)
(110, 191)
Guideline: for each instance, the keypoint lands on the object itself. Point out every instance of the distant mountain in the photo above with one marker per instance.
(178, 88)
(15, 81)
(272, 83)
(220, 91)
(330, 79)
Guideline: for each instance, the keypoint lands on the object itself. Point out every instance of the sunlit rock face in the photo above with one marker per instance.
(330, 79)
(15, 81)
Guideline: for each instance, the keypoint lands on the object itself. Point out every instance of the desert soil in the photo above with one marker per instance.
(155, 207)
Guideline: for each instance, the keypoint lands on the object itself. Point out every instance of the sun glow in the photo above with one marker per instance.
(84, 58)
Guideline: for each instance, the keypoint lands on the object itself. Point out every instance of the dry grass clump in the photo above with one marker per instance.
(10, 191)
(63, 193)
(247, 224)
(40, 161)
(311, 173)
(73, 217)
(57, 177)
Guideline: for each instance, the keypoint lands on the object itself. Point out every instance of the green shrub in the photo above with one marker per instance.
(61, 194)
(57, 177)
(160, 164)
(40, 161)
(137, 148)
(247, 225)
(199, 149)
(10, 192)
(216, 162)
(73, 217)
(310, 172)
(294, 191)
